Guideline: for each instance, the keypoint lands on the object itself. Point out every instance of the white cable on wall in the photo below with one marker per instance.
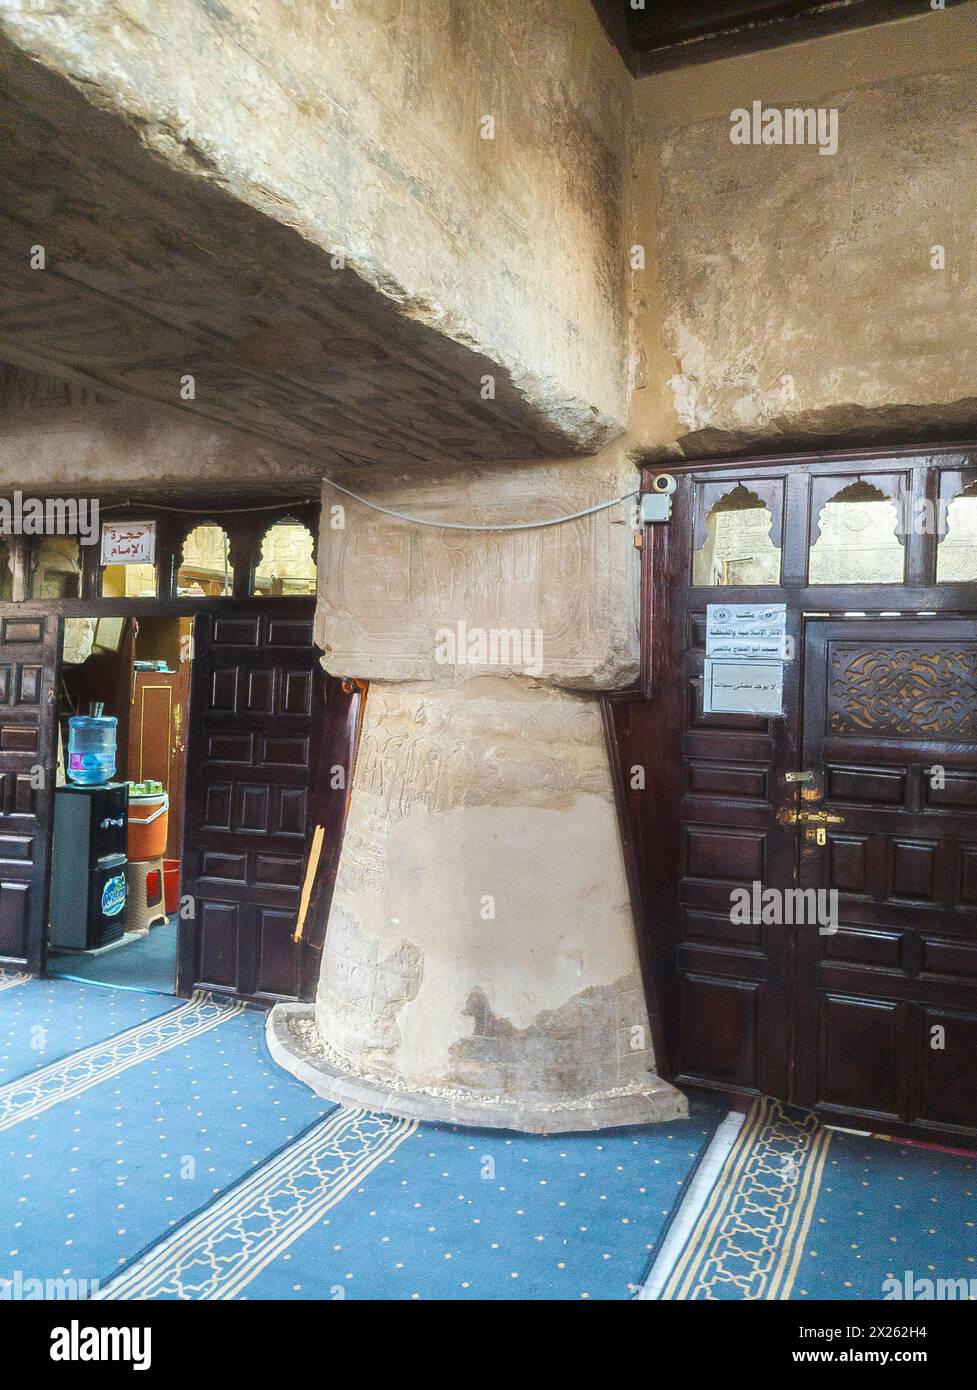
(386, 511)
(470, 526)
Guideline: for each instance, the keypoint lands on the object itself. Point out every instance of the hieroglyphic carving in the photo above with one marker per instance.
(439, 750)
(386, 588)
(922, 689)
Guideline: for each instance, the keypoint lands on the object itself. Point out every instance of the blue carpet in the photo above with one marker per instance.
(147, 963)
(885, 1210)
(169, 1157)
(456, 1214)
(43, 1020)
(369, 1207)
(801, 1212)
(104, 1154)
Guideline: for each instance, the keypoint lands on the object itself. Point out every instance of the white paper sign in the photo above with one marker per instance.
(743, 687)
(747, 631)
(128, 543)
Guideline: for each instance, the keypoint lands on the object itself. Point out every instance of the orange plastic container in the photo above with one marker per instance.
(171, 885)
(149, 818)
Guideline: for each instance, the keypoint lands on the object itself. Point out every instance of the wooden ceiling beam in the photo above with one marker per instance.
(658, 38)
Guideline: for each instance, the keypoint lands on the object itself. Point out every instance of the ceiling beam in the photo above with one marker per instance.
(658, 38)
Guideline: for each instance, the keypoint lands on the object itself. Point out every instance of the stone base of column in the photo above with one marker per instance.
(480, 964)
(295, 1045)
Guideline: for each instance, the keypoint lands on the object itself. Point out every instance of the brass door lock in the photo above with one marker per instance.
(793, 815)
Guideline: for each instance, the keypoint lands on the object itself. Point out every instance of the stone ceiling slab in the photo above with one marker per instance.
(168, 255)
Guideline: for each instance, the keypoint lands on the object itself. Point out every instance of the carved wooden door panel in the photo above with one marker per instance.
(727, 1003)
(257, 709)
(886, 1005)
(29, 660)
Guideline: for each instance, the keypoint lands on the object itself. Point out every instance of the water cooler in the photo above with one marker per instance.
(88, 881)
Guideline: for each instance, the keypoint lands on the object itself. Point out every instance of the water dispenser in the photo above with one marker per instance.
(91, 748)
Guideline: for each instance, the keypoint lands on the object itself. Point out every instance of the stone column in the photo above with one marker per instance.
(480, 964)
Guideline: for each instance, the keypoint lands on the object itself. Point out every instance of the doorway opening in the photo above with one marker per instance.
(116, 857)
(240, 735)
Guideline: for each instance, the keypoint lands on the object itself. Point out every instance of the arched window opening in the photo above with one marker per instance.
(737, 548)
(57, 571)
(858, 541)
(286, 565)
(205, 566)
(956, 554)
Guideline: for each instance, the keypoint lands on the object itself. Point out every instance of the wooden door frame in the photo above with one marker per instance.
(176, 757)
(58, 610)
(657, 699)
(35, 952)
(37, 949)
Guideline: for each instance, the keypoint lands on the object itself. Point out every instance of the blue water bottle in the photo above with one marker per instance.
(91, 748)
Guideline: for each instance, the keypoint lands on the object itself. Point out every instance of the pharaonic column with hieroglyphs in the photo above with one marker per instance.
(480, 963)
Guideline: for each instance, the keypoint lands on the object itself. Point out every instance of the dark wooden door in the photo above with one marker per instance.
(886, 1005)
(846, 1022)
(701, 796)
(29, 661)
(726, 995)
(257, 708)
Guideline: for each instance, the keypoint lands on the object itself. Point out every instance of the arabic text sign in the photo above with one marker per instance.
(746, 630)
(743, 687)
(129, 543)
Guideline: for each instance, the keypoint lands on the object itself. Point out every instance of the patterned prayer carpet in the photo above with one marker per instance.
(52, 1018)
(366, 1206)
(156, 1151)
(104, 1151)
(802, 1212)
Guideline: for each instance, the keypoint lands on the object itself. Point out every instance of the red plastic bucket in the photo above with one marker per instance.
(154, 889)
(171, 885)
